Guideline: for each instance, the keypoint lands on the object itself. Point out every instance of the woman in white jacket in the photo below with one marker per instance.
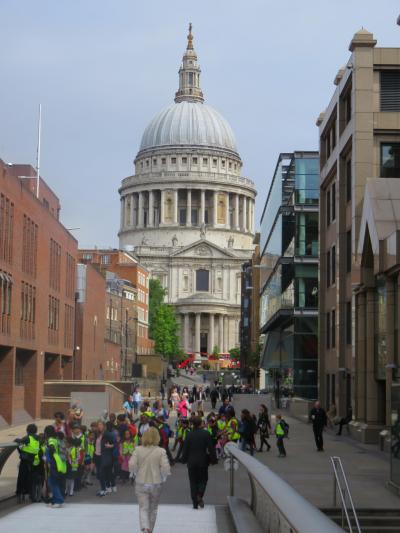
(151, 467)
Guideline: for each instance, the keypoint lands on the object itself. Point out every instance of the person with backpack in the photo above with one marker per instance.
(247, 430)
(319, 421)
(57, 467)
(281, 432)
(30, 456)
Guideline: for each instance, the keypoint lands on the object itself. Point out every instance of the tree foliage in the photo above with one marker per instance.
(156, 298)
(165, 331)
(235, 353)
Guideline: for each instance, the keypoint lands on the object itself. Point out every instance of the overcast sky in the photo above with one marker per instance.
(102, 69)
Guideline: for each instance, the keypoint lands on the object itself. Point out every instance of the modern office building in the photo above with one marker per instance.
(359, 139)
(289, 276)
(250, 315)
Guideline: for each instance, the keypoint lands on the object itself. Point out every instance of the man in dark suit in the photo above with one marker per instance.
(198, 453)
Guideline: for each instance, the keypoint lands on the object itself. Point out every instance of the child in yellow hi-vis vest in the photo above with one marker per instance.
(126, 449)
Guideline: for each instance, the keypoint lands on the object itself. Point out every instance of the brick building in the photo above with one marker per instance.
(106, 325)
(126, 267)
(37, 293)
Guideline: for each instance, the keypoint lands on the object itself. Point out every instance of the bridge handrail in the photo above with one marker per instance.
(277, 506)
(6, 449)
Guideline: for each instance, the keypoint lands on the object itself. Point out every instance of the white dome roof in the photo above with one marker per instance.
(189, 124)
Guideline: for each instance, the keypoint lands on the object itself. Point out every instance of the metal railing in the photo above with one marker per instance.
(276, 505)
(340, 483)
(6, 449)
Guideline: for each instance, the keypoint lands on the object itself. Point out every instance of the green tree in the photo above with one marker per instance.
(165, 331)
(156, 299)
(235, 353)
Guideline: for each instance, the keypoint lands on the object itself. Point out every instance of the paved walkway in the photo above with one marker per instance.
(75, 517)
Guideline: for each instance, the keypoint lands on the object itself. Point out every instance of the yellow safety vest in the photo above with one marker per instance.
(232, 435)
(127, 448)
(32, 448)
(279, 430)
(61, 465)
(90, 450)
(221, 425)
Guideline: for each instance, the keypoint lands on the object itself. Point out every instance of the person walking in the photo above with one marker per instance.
(149, 463)
(247, 430)
(319, 421)
(281, 431)
(198, 454)
(214, 395)
(264, 426)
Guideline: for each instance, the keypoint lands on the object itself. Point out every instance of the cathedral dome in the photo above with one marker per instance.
(189, 123)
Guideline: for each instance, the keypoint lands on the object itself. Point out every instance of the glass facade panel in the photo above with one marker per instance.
(307, 181)
(307, 234)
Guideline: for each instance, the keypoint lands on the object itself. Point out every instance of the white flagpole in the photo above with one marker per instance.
(38, 151)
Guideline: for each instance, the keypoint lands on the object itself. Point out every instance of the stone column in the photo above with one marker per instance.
(131, 222)
(244, 213)
(236, 213)
(122, 217)
(221, 332)
(162, 206)
(186, 332)
(189, 208)
(226, 333)
(150, 217)
(197, 333)
(175, 218)
(370, 382)
(202, 206)
(227, 222)
(251, 215)
(211, 336)
(140, 211)
(215, 208)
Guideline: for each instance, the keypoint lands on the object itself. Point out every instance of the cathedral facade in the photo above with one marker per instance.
(188, 214)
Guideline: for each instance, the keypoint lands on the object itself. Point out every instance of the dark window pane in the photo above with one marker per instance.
(390, 90)
(348, 180)
(194, 217)
(348, 251)
(333, 264)
(348, 322)
(333, 196)
(328, 207)
(202, 280)
(328, 268)
(182, 217)
(390, 160)
(333, 329)
(328, 330)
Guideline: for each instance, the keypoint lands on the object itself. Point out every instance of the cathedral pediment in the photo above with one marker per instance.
(204, 248)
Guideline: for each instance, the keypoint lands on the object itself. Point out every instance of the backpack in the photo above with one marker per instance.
(285, 427)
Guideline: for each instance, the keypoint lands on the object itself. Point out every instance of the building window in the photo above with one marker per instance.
(333, 328)
(185, 282)
(390, 160)
(230, 165)
(155, 162)
(328, 268)
(328, 331)
(55, 265)
(19, 371)
(348, 180)
(202, 280)
(328, 207)
(141, 164)
(105, 260)
(194, 160)
(333, 198)
(194, 217)
(390, 90)
(348, 251)
(87, 257)
(182, 217)
(348, 322)
(163, 160)
(333, 265)
(184, 160)
(223, 163)
(205, 160)
(214, 162)
(147, 163)
(6, 228)
(173, 160)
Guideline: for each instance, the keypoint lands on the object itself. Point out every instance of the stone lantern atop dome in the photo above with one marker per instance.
(189, 75)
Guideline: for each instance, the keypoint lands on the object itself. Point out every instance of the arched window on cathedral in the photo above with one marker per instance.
(202, 280)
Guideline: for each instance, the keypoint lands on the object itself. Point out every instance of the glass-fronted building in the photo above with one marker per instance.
(289, 276)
